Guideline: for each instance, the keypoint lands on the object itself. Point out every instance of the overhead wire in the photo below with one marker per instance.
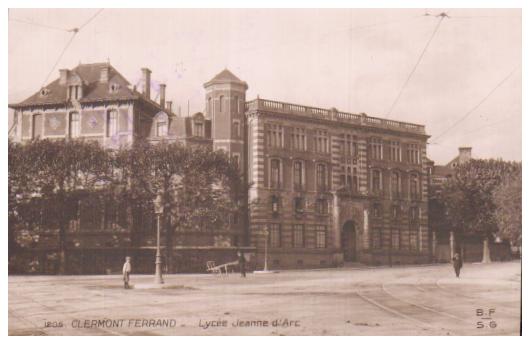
(482, 101)
(74, 32)
(418, 61)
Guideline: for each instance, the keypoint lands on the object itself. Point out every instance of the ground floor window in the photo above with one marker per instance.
(274, 235)
(298, 235)
(376, 238)
(321, 236)
(413, 234)
(395, 238)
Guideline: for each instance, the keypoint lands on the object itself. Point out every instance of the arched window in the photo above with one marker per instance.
(221, 99)
(74, 125)
(298, 175)
(112, 123)
(395, 181)
(322, 177)
(414, 186)
(275, 173)
(210, 106)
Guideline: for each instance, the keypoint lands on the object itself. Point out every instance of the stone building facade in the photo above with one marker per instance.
(327, 187)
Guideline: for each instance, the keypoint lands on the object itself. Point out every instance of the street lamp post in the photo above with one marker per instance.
(266, 232)
(159, 209)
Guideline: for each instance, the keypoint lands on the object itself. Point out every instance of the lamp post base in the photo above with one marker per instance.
(158, 271)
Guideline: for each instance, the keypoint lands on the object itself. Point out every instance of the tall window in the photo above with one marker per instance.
(351, 178)
(112, 123)
(161, 127)
(275, 204)
(396, 184)
(274, 135)
(236, 100)
(237, 128)
(396, 234)
(275, 239)
(321, 141)
(322, 206)
(395, 212)
(414, 237)
(198, 128)
(413, 153)
(377, 181)
(349, 145)
(376, 210)
(221, 100)
(298, 175)
(36, 127)
(414, 186)
(298, 139)
(376, 148)
(210, 106)
(321, 236)
(275, 173)
(395, 151)
(298, 235)
(298, 204)
(74, 125)
(322, 177)
(414, 215)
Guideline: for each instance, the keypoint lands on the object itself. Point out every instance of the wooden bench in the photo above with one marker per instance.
(218, 269)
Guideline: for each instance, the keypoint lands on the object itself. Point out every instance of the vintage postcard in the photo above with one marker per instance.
(264, 172)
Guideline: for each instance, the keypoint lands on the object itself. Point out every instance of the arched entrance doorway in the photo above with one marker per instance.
(348, 241)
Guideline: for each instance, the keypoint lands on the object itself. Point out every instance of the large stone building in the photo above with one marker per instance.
(327, 187)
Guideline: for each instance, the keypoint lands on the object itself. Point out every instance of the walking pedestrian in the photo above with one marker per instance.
(457, 264)
(242, 261)
(126, 272)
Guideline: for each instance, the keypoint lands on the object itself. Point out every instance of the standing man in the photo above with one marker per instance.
(457, 264)
(126, 272)
(241, 260)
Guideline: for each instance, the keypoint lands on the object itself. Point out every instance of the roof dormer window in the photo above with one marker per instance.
(114, 88)
(75, 92)
(44, 92)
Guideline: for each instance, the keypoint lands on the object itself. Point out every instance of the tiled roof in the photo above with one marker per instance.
(225, 76)
(93, 89)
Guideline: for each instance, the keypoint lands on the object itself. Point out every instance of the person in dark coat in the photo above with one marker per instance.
(457, 264)
(241, 260)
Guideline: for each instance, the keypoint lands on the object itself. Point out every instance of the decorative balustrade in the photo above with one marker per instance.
(332, 114)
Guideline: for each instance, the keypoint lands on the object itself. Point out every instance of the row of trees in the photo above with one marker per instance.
(198, 186)
(482, 198)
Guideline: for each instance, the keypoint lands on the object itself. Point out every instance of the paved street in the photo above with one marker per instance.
(424, 300)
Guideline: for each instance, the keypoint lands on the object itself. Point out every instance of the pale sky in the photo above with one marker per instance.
(354, 60)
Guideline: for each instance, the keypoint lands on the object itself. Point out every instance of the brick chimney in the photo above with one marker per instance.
(146, 82)
(162, 95)
(104, 75)
(169, 106)
(464, 154)
(63, 76)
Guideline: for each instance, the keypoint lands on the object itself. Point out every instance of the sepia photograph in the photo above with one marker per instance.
(264, 171)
